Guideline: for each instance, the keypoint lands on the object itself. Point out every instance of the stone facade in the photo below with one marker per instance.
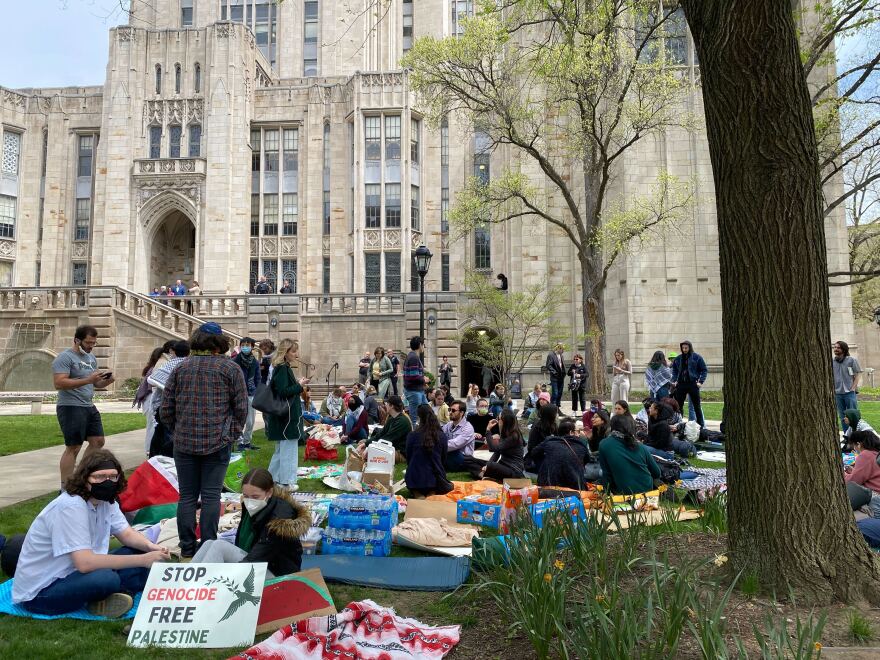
(293, 147)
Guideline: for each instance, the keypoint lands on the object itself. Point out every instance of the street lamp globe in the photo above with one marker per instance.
(423, 260)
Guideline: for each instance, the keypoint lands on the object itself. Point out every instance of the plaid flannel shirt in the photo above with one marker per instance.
(205, 404)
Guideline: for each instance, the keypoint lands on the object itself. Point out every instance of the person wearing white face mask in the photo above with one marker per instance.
(269, 531)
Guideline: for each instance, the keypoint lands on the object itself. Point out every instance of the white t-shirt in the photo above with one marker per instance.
(67, 524)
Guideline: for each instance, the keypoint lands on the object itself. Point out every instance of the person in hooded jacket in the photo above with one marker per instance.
(561, 458)
(271, 524)
(689, 372)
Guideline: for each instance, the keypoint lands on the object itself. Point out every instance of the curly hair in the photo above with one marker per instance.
(78, 482)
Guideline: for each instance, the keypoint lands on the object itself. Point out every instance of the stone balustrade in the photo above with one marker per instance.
(352, 304)
(57, 298)
(169, 312)
(159, 166)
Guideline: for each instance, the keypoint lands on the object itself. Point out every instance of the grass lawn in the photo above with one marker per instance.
(28, 638)
(20, 433)
(870, 412)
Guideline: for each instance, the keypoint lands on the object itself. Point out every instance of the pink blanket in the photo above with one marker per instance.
(363, 630)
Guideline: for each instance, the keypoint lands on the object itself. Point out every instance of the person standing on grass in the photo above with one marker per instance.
(65, 562)
(846, 380)
(205, 406)
(250, 368)
(76, 377)
(414, 378)
(622, 370)
(578, 375)
(286, 431)
(395, 371)
(689, 372)
(555, 367)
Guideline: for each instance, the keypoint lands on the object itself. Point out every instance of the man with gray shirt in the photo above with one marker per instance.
(846, 380)
(75, 375)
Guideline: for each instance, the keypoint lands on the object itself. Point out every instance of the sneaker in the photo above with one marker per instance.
(112, 607)
(247, 447)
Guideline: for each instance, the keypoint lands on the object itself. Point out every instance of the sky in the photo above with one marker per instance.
(57, 43)
(64, 42)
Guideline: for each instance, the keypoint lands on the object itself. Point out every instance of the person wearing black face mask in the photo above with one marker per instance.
(64, 562)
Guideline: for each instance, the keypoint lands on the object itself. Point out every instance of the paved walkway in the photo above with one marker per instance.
(49, 408)
(34, 473)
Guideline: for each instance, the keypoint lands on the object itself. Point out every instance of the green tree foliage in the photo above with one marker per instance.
(564, 89)
(513, 325)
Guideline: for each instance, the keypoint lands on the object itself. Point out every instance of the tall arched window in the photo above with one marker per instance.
(197, 79)
(158, 79)
(177, 79)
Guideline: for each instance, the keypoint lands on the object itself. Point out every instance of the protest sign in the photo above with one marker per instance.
(192, 606)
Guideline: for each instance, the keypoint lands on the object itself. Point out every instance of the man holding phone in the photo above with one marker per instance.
(76, 376)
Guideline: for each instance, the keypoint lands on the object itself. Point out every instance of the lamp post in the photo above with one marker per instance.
(423, 262)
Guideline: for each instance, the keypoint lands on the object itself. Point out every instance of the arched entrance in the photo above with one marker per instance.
(473, 371)
(173, 250)
(27, 371)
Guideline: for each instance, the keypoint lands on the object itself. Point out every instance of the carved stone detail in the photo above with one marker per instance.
(270, 247)
(373, 239)
(255, 247)
(14, 99)
(288, 247)
(80, 249)
(392, 238)
(7, 248)
(325, 244)
(126, 34)
(225, 30)
(416, 239)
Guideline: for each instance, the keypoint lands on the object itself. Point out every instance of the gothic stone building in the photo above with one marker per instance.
(238, 138)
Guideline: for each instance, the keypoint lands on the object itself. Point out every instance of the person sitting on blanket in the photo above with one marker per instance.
(543, 429)
(480, 420)
(333, 407)
(271, 524)
(587, 417)
(562, 457)
(543, 400)
(425, 451)
(677, 442)
(460, 436)
(64, 562)
(600, 429)
(627, 465)
(507, 444)
(356, 422)
(864, 475)
(854, 422)
(309, 413)
(371, 405)
(642, 416)
(397, 427)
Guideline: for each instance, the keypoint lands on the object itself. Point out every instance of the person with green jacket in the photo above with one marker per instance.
(397, 427)
(627, 465)
(380, 371)
(286, 430)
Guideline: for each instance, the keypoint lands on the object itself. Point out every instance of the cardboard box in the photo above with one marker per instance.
(477, 513)
(572, 504)
(292, 598)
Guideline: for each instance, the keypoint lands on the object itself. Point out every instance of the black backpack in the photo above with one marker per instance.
(670, 471)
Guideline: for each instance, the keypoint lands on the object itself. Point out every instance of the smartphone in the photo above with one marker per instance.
(107, 375)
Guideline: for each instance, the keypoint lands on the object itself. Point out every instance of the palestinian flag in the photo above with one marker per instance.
(153, 483)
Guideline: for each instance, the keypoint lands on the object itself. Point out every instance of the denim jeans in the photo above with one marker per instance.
(413, 400)
(662, 393)
(455, 461)
(200, 476)
(248, 433)
(557, 387)
(284, 462)
(845, 402)
(78, 589)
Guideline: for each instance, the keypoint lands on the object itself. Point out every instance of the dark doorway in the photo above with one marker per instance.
(473, 371)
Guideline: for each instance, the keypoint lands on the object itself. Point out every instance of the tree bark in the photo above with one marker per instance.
(789, 518)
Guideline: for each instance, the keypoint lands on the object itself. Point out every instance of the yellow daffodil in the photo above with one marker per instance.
(547, 577)
(559, 564)
(600, 598)
(720, 560)
(817, 646)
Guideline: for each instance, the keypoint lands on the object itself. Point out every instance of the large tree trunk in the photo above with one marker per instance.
(789, 518)
(594, 333)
